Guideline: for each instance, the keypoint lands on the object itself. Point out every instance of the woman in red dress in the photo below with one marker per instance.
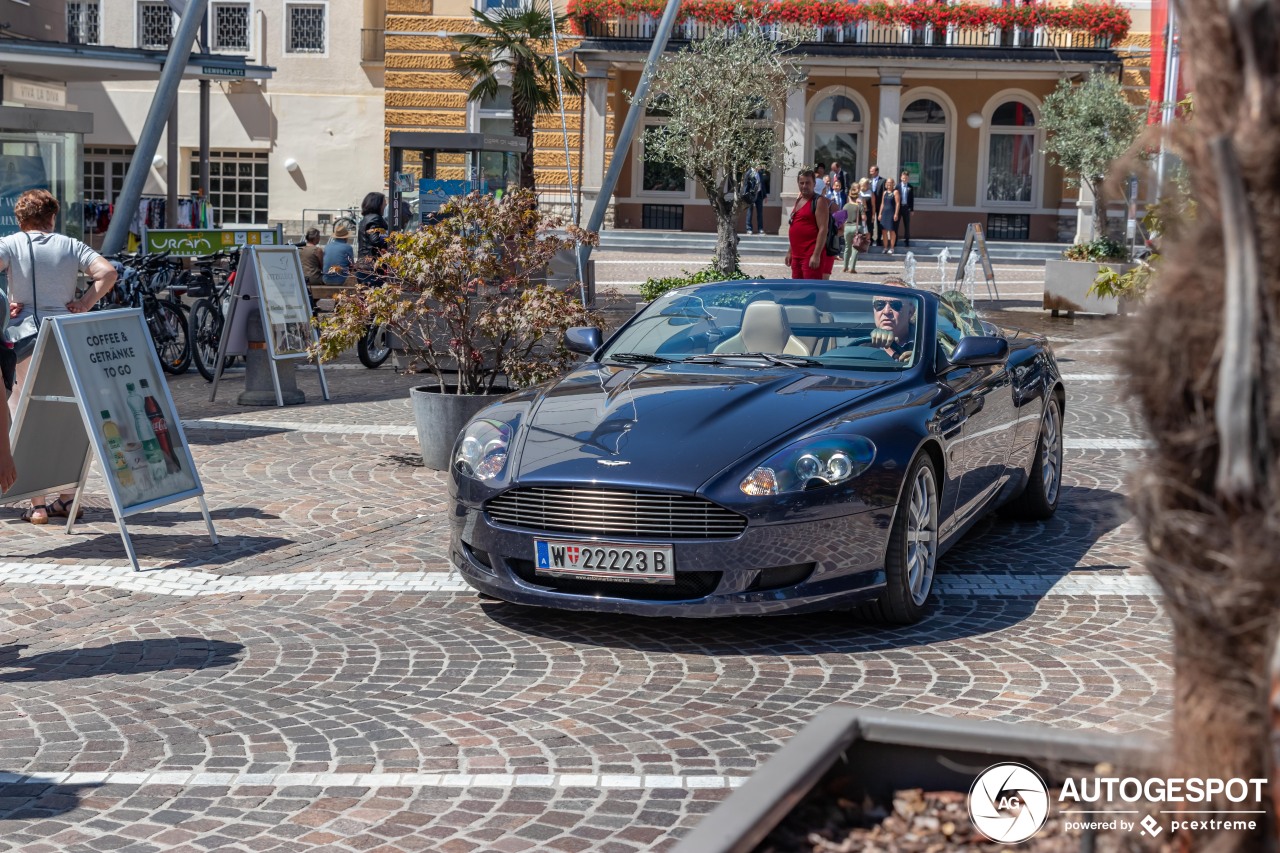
(807, 234)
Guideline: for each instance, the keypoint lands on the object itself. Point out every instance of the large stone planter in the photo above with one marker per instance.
(441, 416)
(874, 753)
(1067, 283)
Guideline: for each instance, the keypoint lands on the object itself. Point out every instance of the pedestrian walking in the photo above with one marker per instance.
(807, 232)
(855, 231)
(906, 204)
(43, 266)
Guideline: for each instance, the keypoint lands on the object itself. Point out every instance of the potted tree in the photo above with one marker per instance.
(466, 300)
(1089, 126)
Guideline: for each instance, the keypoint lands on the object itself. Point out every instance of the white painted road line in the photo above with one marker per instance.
(1091, 377)
(186, 583)
(375, 780)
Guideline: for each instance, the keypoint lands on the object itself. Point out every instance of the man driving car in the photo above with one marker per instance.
(893, 318)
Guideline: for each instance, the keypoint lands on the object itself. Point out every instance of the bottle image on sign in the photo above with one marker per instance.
(160, 427)
(150, 447)
(115, 449)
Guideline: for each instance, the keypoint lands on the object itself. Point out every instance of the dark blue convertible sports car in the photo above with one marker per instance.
(754, 447)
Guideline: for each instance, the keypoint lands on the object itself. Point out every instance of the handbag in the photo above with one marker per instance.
(23, 335)
(862, 241)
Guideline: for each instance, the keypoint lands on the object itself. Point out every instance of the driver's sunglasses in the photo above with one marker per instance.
(881, 304)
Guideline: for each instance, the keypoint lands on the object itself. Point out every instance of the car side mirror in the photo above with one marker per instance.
(976, 351)
(582, 339)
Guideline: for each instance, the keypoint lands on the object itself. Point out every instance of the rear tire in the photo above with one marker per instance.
(911, 559)
(1039, 498)
(373, 348)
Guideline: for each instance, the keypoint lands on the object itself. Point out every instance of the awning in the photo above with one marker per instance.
(85, 63)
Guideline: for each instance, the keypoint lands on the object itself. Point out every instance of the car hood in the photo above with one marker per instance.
(671, 425)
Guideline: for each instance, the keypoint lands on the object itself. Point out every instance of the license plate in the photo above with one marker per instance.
(604, 560)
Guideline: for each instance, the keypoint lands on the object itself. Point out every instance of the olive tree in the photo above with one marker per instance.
(722, 98)
(1088, 127)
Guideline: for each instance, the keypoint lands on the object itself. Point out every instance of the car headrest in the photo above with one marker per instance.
(765, 328)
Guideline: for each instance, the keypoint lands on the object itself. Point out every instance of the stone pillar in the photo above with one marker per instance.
(1084, 213)
(794, 155)
(889, 129)
(594, 117)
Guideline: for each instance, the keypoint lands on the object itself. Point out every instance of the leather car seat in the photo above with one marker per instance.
(764, 329)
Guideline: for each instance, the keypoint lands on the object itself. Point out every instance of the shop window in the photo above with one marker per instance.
(237, 186)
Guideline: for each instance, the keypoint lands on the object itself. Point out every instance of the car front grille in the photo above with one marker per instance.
(614, 512)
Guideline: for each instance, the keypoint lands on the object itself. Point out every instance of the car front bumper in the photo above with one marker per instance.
(776, 568)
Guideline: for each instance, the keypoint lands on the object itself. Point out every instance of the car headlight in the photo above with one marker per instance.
(809, 464)
(482, 452)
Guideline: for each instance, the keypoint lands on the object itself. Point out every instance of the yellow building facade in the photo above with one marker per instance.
(958, 110)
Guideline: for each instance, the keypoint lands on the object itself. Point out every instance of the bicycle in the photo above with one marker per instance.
(141, 278)
(211, 284)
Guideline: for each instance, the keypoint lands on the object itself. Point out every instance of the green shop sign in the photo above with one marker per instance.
(186, 243)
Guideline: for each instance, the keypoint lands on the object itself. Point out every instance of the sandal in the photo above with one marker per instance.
(62, 509)
(29, 514)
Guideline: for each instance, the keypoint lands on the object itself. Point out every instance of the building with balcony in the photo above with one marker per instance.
(953, 97)
(306, 140)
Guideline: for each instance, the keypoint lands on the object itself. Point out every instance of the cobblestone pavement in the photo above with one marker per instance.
(320, 680)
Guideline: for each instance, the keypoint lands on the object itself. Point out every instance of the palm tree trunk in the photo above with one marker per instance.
(522, 123)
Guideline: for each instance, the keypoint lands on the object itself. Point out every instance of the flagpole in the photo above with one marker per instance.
(1170, 95)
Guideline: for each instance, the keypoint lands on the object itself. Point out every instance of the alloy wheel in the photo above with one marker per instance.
(922, 535)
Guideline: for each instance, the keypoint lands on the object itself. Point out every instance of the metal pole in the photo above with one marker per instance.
(1169, 96)
(204, 118)
(628, 132)
(166, 93)
(171, 173)
(568, 161)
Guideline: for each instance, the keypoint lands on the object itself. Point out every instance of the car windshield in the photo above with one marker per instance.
(775, 324)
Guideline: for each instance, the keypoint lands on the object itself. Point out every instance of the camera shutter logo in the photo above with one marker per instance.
(1008, 803)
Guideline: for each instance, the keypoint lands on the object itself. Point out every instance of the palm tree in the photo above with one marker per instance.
(516, 44)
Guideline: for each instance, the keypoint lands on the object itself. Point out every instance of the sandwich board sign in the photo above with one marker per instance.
(95, 391)
(976, 241)
(272, 277)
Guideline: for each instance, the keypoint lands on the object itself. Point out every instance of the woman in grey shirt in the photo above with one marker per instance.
(42, 267)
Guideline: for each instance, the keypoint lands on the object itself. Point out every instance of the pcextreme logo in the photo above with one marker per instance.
(1009, 803)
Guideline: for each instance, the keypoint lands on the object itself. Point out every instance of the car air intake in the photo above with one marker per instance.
(614, 512)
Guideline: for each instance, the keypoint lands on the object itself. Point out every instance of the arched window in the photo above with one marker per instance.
(923, 147)
(836, 126)
(1011, 154)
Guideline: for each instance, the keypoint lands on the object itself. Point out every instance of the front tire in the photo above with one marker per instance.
(912, 557)
(1039, 498)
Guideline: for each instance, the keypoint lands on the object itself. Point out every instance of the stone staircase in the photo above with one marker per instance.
(636, 240)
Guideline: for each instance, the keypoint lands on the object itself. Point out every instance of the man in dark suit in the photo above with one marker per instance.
(908, 194)
(839, 174)
(877, 202)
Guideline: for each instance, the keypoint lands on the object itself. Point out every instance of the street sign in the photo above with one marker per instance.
(215, 71)
(189, 243)
(272, 277)
(95, 390)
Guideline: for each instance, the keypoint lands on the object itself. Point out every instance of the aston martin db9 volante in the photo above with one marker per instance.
(754, 447)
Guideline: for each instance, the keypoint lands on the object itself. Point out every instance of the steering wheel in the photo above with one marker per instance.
(883, 339)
